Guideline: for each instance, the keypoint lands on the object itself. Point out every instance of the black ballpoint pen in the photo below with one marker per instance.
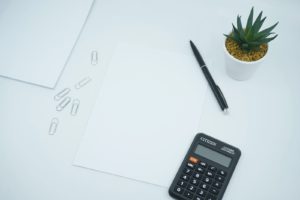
(214, 87)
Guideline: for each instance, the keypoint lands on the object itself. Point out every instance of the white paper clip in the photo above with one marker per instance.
(75, 107)
(53, 126)
(83, 82)
(63, 103)
(94, 58)
(62, 94)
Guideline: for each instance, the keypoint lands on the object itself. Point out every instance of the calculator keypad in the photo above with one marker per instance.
(200, 181)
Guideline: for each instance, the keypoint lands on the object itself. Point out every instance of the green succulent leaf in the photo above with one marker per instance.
(261, 23)
(229, 36)
(235, 30)
(245, 46)
(235, 34)
(256, 43)
(267, 30)
(249, 21)
(257, 24)
(259, 37)
(266, 40)
(250, 35)
(239, 24)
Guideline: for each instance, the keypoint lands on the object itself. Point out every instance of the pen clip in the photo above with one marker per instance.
(222, 96)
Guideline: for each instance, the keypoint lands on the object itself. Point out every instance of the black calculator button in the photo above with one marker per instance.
(198, 198)
(178, 190)
(219, 178)
(182, 184)
(207, 180)
(185, 177)
(217, 185)
(188, 171)
(191, 188)
(190, 165)
(222, 173)
(212, 168)
(204, 186)
(201, 192)
(197, 175)
(200, 170)
(214, 191)
(210, 174)
(188, 194)
(195, 182)
(203, 164)
(210, 197)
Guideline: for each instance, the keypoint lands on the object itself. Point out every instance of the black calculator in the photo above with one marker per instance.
(206, 170)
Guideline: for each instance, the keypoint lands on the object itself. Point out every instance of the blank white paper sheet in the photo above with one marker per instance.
(37, 38)
(146, 115)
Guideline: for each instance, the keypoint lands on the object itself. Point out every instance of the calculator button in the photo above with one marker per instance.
(219, 178)
(188, 194)
(222, 173)
(217, 185)
(190, 165)
(204, 186)
(185, 177)
(182, 184)
(203, 164)
(191, 188)
(214, 191)
(207, 180)
(212, 168)
(198, 198)
(195, 182)
(201, 192)
(194, 160)
(188, 171)
(178, 190)
(197, 175)
(210, 174)
(210, 197)
(200, 170)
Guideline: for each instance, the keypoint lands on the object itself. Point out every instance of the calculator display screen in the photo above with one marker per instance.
(213, 155)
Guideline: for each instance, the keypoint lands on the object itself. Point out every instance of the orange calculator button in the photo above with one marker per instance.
(193, 159)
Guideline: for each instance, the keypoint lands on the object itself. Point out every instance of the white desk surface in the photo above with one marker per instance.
(264, 111)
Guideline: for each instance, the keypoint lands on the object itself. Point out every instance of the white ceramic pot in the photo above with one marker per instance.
(240, 70)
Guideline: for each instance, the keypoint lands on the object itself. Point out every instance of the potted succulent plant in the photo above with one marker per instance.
(246, 47)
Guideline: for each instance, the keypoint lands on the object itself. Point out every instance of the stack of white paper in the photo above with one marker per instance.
(146, 115)
(37, 37)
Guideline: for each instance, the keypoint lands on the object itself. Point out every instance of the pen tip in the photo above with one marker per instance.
(226, 111)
